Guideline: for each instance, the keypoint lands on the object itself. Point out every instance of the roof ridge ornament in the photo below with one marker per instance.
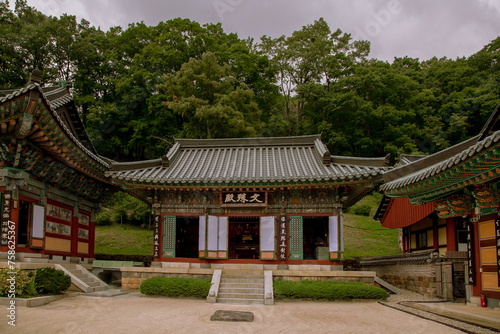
(35, 77)
(165, 162)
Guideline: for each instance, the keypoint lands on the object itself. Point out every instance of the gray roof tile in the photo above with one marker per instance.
(243, 160)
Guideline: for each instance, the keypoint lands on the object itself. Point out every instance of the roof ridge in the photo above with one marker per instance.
(248, 141)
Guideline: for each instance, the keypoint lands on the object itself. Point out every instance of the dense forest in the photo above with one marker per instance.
(140, 87)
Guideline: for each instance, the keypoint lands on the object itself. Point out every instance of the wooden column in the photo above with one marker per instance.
(435, 232)
(451, 235)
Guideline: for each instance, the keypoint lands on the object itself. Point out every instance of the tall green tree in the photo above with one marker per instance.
(311, 56)
(210, 100)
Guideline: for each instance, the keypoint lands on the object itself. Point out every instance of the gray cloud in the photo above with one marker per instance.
(396, 28)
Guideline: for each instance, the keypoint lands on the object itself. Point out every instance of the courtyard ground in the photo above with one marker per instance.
(134, 313)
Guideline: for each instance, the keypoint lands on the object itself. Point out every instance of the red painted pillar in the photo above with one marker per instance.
(91, 239)
(451, 235)
(74, 235)
(435, 232)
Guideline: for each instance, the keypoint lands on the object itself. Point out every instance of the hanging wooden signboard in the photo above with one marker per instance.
(5, 209)
(470, 254)
(244, 198)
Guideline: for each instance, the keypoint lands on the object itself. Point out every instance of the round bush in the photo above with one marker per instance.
(362, 210)
(50, 280)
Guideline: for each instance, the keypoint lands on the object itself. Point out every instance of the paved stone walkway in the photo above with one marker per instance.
(468, 319)
(133, 313)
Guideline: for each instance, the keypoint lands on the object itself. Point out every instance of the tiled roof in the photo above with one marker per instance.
(243, 160)
(440, 162)
(55, 96)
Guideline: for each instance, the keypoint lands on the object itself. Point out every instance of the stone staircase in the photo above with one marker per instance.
(82, 278)
(241, 287)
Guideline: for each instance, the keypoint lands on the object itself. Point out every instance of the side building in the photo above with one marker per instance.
(250, 200)
(52, 181)
(448, 203)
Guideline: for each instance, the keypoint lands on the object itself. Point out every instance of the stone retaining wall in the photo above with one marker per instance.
(419, 278)
(133, 277)
(414, 271)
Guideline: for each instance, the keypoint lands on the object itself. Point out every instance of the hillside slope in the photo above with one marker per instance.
(365, 237)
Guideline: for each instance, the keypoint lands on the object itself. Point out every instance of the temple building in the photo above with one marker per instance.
(246, 200)
(250, 200)
(52, 182)
(448, 202)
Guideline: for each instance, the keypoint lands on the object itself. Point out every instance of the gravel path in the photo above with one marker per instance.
(133, 313)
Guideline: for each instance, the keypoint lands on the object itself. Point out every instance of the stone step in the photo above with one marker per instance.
(240, 286)
(242, 290)
(241, 295)
(240, 301)
(82, 277)
(76, 272)
(93, 283)
(86, 279)
(242, 280)
(242, 273)
(100, 288)
(36, 260)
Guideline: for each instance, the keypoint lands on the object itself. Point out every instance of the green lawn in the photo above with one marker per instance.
(364, 237)
(123, 240)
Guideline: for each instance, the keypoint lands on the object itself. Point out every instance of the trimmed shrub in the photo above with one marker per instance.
(50, 280)
(319, 290)
(176, 286)
(19, 281)
(362, 210)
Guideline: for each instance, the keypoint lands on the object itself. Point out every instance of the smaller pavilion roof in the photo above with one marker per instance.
(473, 161)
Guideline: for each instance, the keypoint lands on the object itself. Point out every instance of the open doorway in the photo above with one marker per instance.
(25, 211)
(187, 235)
(315, 238)
(244, 237)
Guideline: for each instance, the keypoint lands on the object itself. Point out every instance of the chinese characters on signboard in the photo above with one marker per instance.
(244, 198)
(470, 254)
(497, 233)
(282, 251)
(156, 241)
(6, 200)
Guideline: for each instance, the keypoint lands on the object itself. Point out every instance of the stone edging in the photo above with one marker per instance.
(31, 302)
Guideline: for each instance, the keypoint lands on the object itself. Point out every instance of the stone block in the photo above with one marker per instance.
(234, 316)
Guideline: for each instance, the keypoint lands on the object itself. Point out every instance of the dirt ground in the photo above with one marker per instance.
(133, 313)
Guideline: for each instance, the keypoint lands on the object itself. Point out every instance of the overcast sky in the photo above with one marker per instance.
(396, 28)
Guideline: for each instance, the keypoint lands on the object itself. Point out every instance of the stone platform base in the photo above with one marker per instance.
(132, 277)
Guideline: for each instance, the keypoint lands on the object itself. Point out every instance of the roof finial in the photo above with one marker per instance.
(35, 77)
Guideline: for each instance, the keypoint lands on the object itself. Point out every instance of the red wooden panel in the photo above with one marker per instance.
(401, 213)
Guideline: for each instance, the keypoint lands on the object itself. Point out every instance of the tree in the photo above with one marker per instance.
(311, 56)
(210, 101)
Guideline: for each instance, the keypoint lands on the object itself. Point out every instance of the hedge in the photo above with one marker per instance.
(176, 286)
(320, 290)
(43, 280)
